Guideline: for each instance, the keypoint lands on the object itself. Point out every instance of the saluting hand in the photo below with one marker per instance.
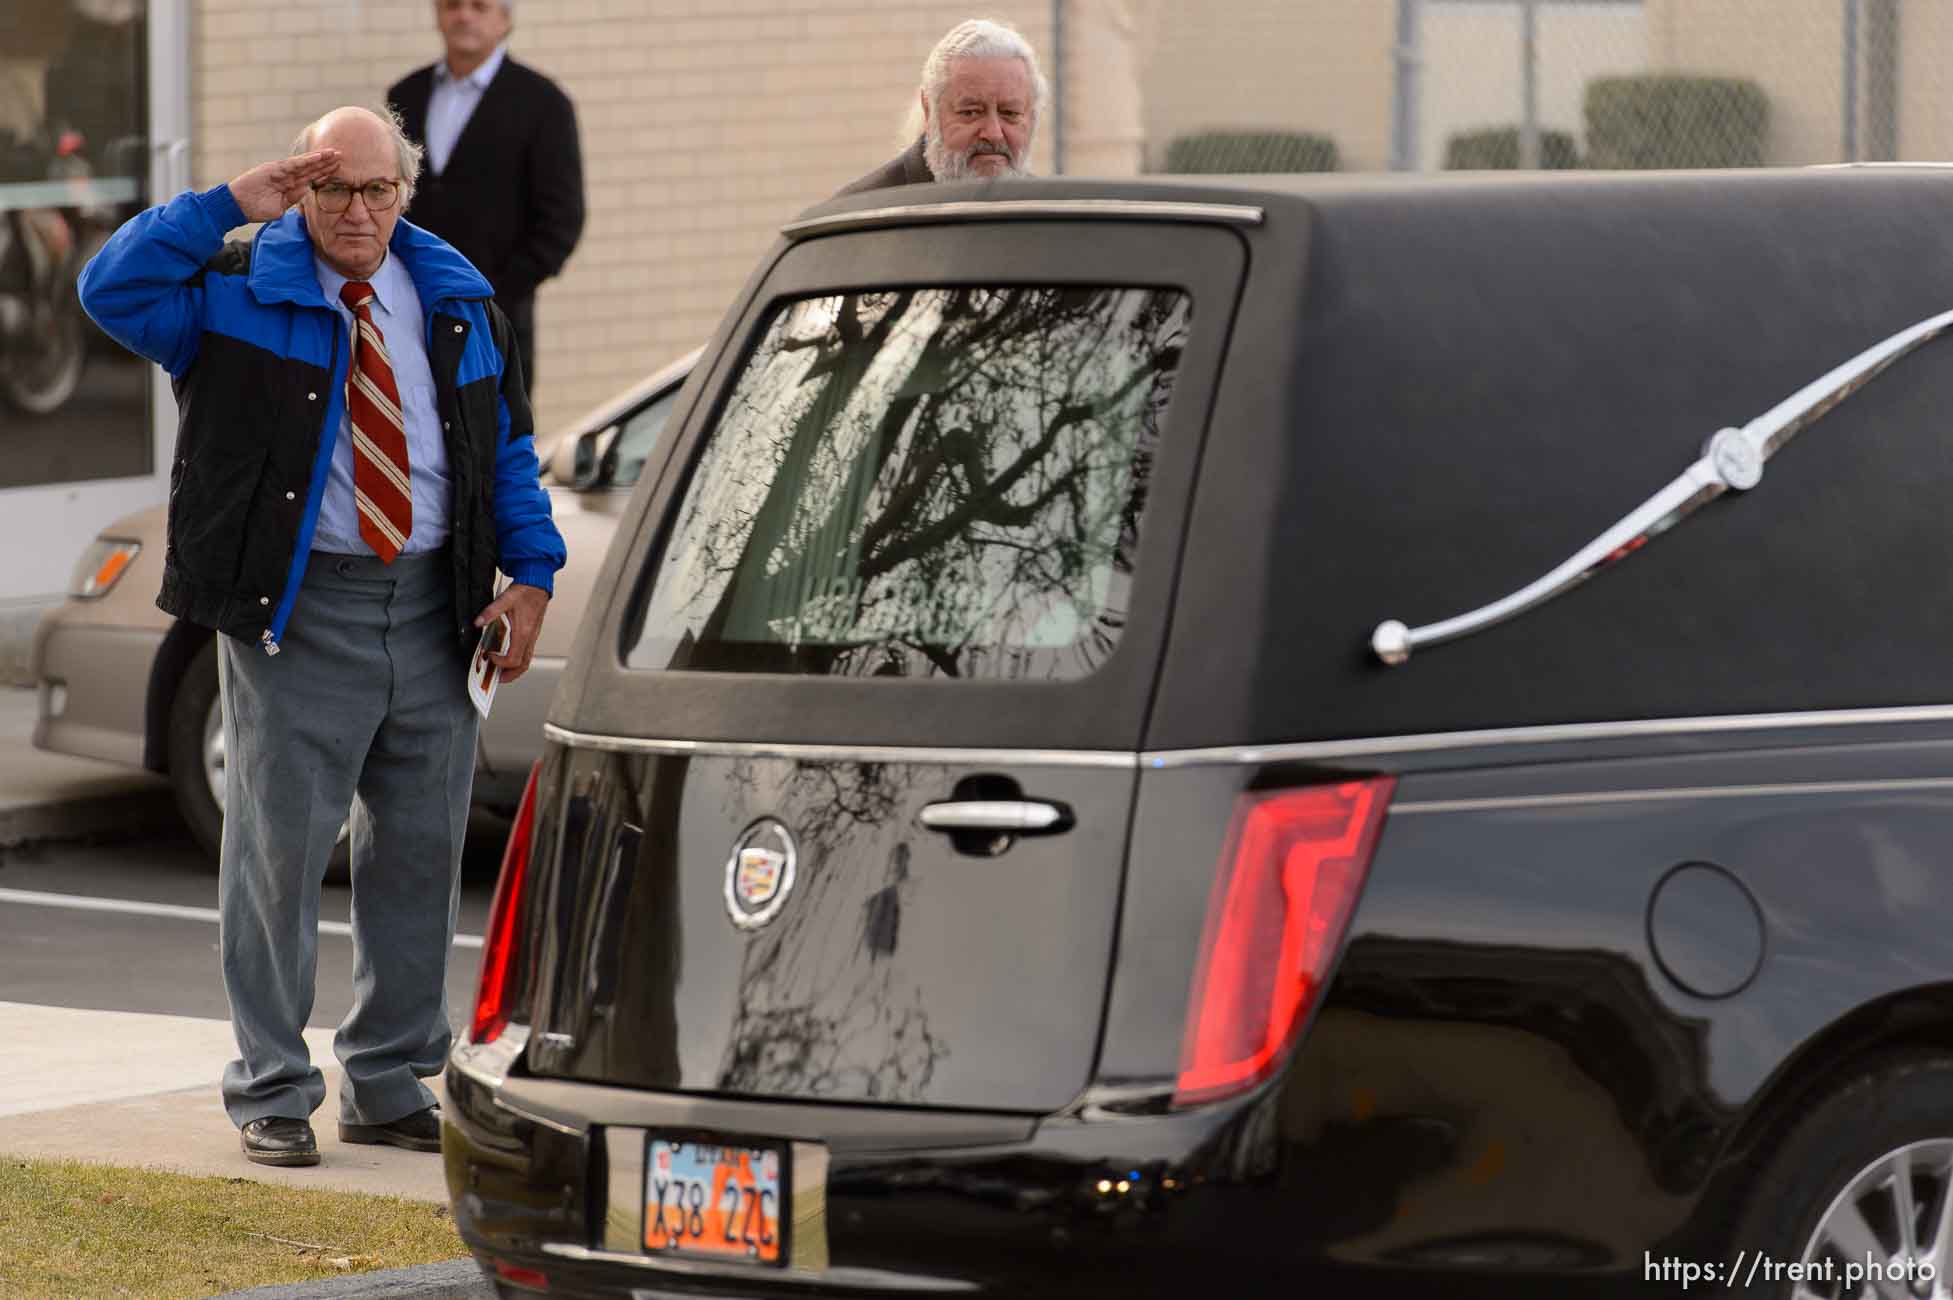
(268, 189)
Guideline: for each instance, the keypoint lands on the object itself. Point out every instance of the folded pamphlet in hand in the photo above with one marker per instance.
(484, 675)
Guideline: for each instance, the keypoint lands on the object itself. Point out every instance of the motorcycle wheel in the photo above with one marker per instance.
(40, 369)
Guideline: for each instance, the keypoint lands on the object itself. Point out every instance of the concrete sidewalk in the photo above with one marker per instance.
(140, 1090)
(150, 1100)
(122, 1088)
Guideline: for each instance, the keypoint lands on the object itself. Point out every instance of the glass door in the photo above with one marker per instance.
(93, 122)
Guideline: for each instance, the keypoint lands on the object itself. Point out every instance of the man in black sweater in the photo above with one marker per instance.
(504, 180)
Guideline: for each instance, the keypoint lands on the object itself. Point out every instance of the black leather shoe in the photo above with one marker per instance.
(279, 1140)
(420, 1131)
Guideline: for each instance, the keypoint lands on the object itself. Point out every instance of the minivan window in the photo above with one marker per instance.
(922, 482)
(636, 438)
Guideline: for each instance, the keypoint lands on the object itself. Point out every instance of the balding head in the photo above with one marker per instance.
(349, 122)
(358, 120)
(374, 154)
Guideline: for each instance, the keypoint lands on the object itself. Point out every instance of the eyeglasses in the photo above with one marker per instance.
(337, 196)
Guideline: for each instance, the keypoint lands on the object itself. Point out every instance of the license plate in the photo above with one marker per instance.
(716, 1200)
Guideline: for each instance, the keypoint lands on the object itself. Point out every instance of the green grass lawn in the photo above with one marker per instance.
(75, 1230)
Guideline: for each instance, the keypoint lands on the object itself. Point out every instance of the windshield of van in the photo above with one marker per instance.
(922, 482)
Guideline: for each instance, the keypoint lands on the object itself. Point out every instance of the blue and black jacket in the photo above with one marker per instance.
(259, 359)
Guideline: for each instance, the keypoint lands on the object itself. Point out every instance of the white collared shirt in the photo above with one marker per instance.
(453, 102)
(398, 314)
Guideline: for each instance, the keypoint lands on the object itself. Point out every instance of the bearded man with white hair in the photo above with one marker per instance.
(978, 109)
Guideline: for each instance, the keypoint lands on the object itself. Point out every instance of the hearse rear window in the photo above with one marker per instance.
(940, 482)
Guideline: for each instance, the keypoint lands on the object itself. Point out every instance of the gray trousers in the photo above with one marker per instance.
(367, 697)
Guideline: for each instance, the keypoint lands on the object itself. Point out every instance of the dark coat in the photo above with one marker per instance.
(511, 198)
(906, 168)
(259, 362)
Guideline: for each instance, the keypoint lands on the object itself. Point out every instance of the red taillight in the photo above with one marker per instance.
(1294, 865)
(529, 1279)
(493, 995)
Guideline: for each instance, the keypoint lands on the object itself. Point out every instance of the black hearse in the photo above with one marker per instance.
(1289, 738)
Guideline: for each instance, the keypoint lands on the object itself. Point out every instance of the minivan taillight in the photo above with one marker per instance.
(494, 995)
(1293, 866)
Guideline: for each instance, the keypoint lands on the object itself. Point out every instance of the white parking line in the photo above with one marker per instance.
(135, 907)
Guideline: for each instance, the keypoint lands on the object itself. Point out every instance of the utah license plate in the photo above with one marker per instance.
(716, 1200)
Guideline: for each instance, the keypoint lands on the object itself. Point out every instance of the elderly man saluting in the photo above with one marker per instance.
(353, 464)
(979, 104)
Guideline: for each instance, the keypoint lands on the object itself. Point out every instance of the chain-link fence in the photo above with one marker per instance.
(1420, 85)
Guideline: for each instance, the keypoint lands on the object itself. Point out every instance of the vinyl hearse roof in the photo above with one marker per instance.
(1278, 192)
(1429, 392)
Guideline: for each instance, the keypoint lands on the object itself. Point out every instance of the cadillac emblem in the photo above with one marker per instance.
(759, 875)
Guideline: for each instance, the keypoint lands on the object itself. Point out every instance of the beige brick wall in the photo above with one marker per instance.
(1303, 65)
(706, 124)
(1326, 66)
(1793, 49)
(1471, 59)
(1926, 80)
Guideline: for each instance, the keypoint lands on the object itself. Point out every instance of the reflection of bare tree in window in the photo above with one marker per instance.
(925, 481)
(827, 1014)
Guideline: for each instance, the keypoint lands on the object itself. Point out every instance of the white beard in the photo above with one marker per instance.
(947, 166)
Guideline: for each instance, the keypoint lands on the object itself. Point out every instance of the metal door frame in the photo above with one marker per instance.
(47, 525)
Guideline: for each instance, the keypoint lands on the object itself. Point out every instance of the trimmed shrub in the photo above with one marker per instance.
(1672, 121)
(1496, 148)
(1251, 151)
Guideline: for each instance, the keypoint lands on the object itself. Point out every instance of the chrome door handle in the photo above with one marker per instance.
(1732, 461)
(1022, 816)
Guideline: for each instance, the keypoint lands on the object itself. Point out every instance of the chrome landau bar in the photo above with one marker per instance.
(1732, 461)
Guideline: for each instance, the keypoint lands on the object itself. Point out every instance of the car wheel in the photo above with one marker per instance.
(198, 758)
(198, 798)
(1861, 1192)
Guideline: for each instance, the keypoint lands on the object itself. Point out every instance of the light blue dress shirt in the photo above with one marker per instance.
(397, 312)
(453, 102)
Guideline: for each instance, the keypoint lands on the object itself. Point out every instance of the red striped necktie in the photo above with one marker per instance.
(381, 486)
